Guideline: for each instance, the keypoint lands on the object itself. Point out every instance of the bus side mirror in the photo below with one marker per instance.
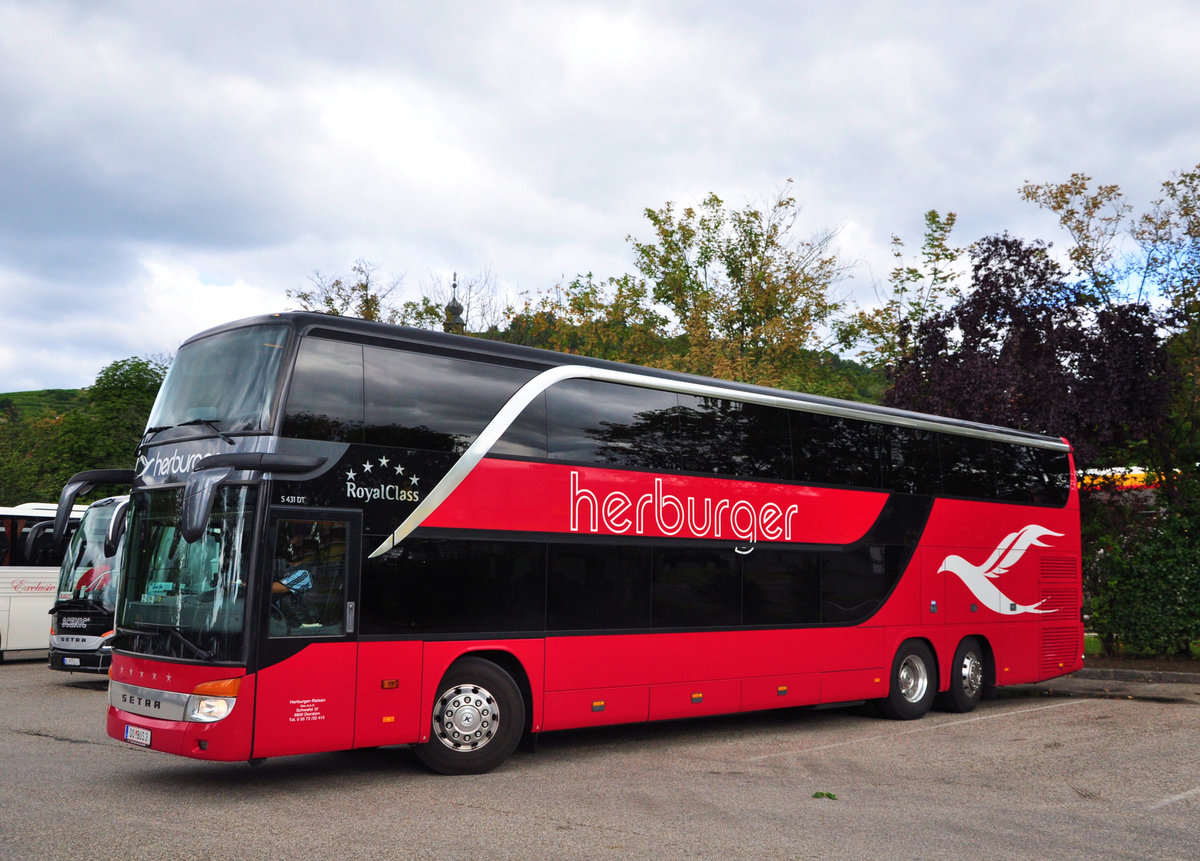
(82, 482)
(198, 501)
(212, 470)
(116, 529)
(36, 534)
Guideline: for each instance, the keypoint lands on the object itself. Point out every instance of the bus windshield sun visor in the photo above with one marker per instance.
(82, 482)
(212, 470)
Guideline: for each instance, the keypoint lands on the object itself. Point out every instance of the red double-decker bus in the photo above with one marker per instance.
(346, 534)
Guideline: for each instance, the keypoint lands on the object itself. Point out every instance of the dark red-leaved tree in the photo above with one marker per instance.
(1023, 348)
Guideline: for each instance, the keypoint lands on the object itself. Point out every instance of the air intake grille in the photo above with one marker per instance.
(1060, 585)
(1059, 647)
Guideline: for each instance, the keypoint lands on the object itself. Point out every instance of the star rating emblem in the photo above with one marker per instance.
(377, 485)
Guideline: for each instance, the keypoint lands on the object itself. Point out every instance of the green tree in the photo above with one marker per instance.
(1169, 237)
(1094, 220)
(729, 293)
(612, 319)
(359, 295)
(916, 290)
(40, 451)
(752, 298)
(1167, 265)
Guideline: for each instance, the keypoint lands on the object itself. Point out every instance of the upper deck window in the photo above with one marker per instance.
(613, 425)
(394, 397)
(227, 378)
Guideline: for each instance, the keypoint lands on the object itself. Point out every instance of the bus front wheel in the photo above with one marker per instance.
(913, 684)
(478, 718)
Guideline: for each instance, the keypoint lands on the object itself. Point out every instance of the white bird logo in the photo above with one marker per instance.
(978, 578)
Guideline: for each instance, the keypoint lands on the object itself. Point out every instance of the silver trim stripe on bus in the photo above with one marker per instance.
(167, 705)
(543, 381)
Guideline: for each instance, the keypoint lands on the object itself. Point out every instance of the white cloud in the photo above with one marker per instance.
(174, 166)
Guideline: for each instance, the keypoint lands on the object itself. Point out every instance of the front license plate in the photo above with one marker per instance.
(137, 735)
(70, 662)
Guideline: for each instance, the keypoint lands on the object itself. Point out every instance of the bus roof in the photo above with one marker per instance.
(38, 510)
(385, 334)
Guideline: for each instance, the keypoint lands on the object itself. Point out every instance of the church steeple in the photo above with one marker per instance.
(454, 321)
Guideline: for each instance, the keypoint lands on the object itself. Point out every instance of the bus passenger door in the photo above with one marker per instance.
(308, 641)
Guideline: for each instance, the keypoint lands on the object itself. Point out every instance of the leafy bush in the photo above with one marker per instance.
(1144, 584)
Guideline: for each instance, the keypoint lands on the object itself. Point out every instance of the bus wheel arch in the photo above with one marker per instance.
(512, 665)
(972, 674)
(478, 717)
(913, 682)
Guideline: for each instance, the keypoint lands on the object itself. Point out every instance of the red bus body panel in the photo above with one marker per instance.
(227, 740)
(974, 573)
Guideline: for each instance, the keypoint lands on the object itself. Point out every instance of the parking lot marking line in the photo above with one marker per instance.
(1183, 796)
(883, 736)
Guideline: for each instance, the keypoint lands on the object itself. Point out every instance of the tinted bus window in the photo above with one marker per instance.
(437, 586)
(438, 403)
(1056, 468)
(909, 460)
(228, 378)
(526, 437)
(598, 587)
(696, 587)
(733, 438)
(834, 450)
(1028, 474)
(325, 400)
(781, 587)
(967, 468)
(854, 583)
(613, 424)
(1019, 476)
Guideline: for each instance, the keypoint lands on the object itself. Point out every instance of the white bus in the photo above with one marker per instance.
(29, 562)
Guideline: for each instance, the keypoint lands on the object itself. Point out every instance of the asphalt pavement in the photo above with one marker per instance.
(1147, 685)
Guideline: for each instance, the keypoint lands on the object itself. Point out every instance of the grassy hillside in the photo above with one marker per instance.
(36, 403)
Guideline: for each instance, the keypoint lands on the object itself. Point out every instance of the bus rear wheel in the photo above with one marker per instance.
(966, 678)
(477, 720)
(913, 684)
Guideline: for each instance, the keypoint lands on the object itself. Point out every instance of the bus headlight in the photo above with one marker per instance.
(212, 701)
(209, 709)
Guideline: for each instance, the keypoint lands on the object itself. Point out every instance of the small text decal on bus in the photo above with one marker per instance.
(378, 479)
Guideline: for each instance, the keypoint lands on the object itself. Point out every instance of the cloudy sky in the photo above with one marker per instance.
(165, 167)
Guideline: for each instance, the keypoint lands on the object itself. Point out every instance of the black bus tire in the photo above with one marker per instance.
(477, 721)
(966, 678)
(913, 683)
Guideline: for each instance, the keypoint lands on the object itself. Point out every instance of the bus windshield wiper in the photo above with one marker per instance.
(212, 425)
(152, 431)
(177, 632)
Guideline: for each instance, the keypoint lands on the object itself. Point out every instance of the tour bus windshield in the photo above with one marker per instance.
(227, 379)
(88, 573)
(182, 600)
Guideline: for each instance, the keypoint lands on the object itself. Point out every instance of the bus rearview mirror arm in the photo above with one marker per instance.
(209, 472)
(116, 528)
(82, 482)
